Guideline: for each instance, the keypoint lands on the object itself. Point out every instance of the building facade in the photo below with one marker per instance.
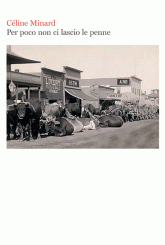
(154, 96)
(104, 96)
(52, 84)
(108, 91)
(20, 84)
(72, 88)
(120, 85)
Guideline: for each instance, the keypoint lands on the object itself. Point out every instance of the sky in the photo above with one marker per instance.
(96, 61)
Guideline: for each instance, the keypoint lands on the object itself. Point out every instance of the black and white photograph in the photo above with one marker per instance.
(86, 96)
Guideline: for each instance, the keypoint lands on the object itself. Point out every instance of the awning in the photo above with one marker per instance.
(79, 94)
(13, 58)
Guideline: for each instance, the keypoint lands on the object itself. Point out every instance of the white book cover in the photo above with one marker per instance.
(101, 186)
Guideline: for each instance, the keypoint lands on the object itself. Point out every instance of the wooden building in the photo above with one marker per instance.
(72, 89)
(52, 84)
(19, 83)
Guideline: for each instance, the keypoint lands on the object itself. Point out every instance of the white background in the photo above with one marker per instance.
(84, 196)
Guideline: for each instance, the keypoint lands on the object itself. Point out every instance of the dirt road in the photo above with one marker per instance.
(138, 135)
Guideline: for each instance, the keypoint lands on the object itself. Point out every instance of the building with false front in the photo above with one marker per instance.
(104, 96)
(52, 84)
(109, 90)
(154, 96)
(22, 84)
(72, 89)
(63, 86)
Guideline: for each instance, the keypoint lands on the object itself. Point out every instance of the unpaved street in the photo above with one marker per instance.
(137, 134)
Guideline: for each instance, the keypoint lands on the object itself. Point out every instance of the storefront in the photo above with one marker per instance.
(104, 96)
(52, 84)
(120, 84)
(72, 90)
(21, 84)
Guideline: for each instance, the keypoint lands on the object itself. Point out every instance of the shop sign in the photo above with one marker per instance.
(114, 95)
(71, 82)
(52, 83)
(122, 81)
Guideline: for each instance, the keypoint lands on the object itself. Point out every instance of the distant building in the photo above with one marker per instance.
(154, 96)
(144, 95)
(104, 96)
(119, 84)
(109, 90)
